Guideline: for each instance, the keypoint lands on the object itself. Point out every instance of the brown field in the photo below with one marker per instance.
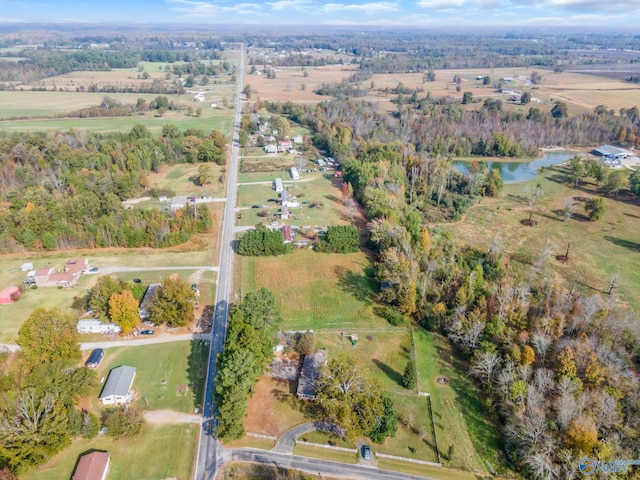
(182, 179)
(273, 409)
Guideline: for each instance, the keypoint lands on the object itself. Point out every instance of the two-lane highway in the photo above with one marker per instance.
(209, 449)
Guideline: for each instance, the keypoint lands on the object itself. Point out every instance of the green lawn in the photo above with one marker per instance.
(182, 180)
(169, 376)
(437, 473)
(316, 290)
(326, 454)
(324, 438)
(158, 452)
(457, 407)
(598, 249)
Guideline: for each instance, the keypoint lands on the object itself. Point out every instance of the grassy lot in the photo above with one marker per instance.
(598, 249)
(182, 179)
(326, 454)
(274, 409)
(268, 163)
(169, 376)
(457, 408)
(316, 290)
(324, 438)
(15, 314)
(254, 471)
(252, 442)
(320, 190)
(157, 452)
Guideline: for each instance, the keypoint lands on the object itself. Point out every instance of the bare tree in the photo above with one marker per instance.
(568, 209)
(613, 280)
(541, 343)
(533, 194)
(484, 366)
(541, 467)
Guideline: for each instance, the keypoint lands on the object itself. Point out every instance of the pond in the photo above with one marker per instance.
(513, 172)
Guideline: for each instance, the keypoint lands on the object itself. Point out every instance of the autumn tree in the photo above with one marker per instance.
(100, 294)
(205, 175)
(49, 336)
(174, 304)
(123, 310)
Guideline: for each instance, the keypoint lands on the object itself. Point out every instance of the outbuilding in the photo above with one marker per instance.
(95, 358)
(92, 466)
(9, 295)
(93, 325)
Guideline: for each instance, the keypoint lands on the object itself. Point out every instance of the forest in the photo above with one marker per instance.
(65, 190)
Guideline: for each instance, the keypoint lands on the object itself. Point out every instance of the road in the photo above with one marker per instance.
(109, 270)
(313, 465)
(208, 448)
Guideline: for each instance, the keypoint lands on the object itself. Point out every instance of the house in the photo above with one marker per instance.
(198, 97)
(75, 266)
(26, 267)
(284, 212)
(277, 185)
(9, 295)
(162, 198)
(41, 276)
(321, 162)
(93, 325)
(295, 174)
(148, 300)
(308, 379)
(178, 202)
(117, 389)
(337, 174)
(271, 149)
(298, 139)
(286, 233)
(506, 79)
(95, 358)
(92, 466)
(213, 104)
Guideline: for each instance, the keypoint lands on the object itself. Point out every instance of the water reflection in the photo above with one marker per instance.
(513, 172)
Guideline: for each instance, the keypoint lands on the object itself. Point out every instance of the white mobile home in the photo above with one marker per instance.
(295, 174)
(93, 325)
(277, 185)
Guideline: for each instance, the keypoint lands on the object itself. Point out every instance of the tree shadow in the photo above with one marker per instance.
(621, 242)
(333, 198)
(197, 370)
(358, 285)
(389, 372)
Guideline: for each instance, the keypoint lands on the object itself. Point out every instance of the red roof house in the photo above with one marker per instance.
(92, 466)
(9, 295)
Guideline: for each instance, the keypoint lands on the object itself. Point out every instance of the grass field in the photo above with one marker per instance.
(598, 249)
(253, 471)
(324, 438)
(428, 471)
(158, 452)
(169, 376)
(316, 290)
(321, 190)
(460, 419)
(326, 454)
(182, 179)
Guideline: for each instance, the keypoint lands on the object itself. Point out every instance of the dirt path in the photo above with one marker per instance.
(168, 417)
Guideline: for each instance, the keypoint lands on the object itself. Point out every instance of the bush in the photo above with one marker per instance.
(121, 422)
(391, 315)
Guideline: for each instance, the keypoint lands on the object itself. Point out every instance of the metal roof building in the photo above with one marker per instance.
(117, 390)
(308, 380)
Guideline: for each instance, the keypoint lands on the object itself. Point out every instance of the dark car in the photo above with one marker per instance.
(137, 280)
(271, 200)
(366, 452)
(255, 206)
(147, 332)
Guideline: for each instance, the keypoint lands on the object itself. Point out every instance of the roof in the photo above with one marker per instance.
(92, 466)
(286, 232)
(44, 271)
(7, 292)
(89, 322)
(307, 383)
(95, 357)
(75, 265)
(119, 382)
(607, 150)
(61, 277)
(148, 298)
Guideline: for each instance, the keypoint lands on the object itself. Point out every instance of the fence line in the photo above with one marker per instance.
(259, 435)
(412, 460)
(331, 447)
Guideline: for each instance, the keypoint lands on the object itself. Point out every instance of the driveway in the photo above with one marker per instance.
(109, 270)
(286, 442)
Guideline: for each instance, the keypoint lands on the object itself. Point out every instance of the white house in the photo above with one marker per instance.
(117, 389)
(93, 325)
(26, 267)
(295, 174)
(271, 149)
(278, 187)
(178, 202)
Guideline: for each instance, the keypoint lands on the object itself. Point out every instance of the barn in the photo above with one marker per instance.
(9, 295)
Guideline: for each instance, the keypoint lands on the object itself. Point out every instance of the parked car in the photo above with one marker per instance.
(194, 286)
(366, 452)
(255, 206)
(147, 332)
(149, 323)
(93, 270)
(137, 280)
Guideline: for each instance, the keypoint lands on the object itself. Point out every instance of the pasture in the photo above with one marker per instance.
(598, 249)
(169, 376)
(316, 290)
(182, 179)
(165, 451)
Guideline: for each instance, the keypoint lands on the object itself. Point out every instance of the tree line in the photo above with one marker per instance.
(65, 190)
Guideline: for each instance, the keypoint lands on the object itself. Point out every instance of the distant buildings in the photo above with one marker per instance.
(49, 277)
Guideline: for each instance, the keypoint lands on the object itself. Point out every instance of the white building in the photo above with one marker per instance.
(277, 185)
(295, 174)
(117, 389)
(93, 325)
(271, 149)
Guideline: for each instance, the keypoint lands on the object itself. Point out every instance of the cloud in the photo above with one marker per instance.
(290, 4)
(367, 8)
(198, 9)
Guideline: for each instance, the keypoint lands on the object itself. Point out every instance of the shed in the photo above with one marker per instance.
(93, 325)
(271, 149)
(26, 267)
(117, 389)
(295, 174)
(9, 295)
(308, 380)
(92, 466)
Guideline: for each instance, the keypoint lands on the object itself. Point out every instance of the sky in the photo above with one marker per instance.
(428, 13)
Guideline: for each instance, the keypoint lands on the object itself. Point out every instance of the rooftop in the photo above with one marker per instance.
(119, 382)
(308, 381)
(92, 466)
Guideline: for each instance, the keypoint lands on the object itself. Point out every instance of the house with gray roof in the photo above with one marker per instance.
(308, 380)
(117, 390)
